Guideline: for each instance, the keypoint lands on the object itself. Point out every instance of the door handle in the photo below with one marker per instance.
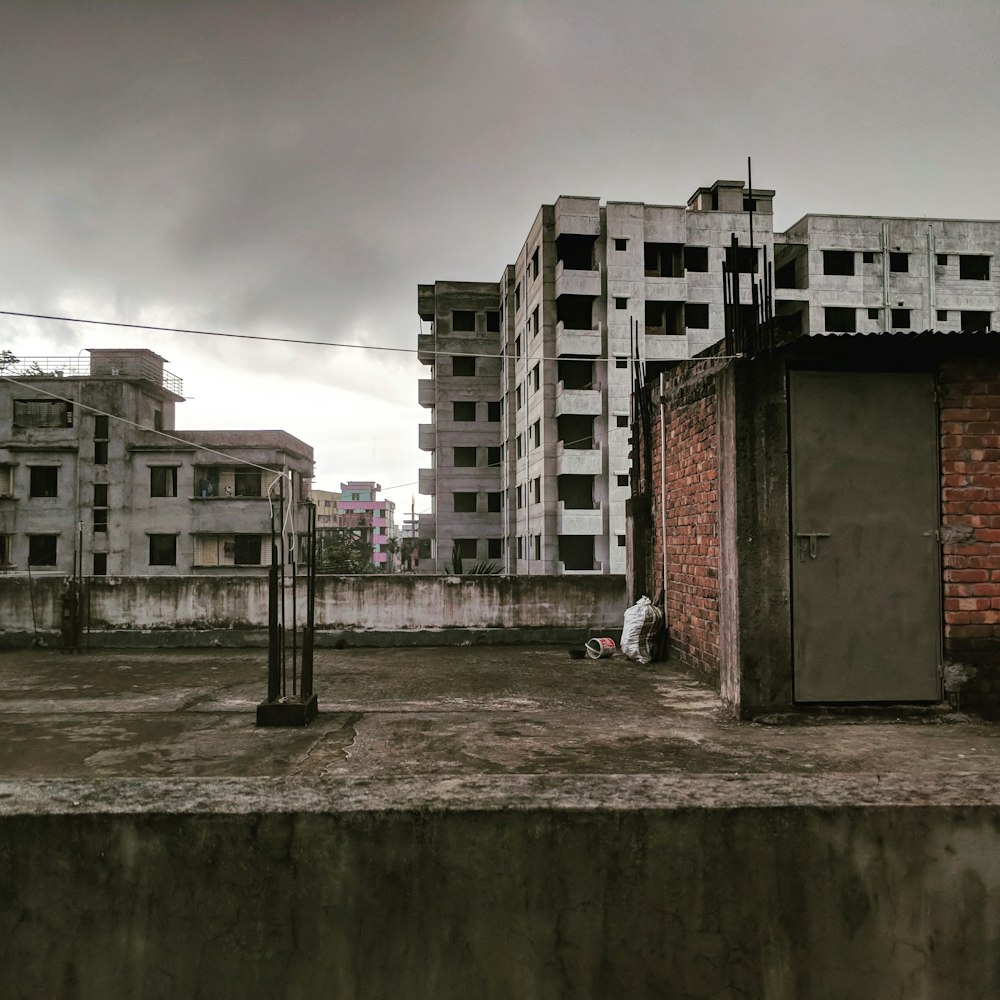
(813, 548)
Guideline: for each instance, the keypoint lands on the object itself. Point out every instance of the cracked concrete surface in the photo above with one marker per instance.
(469, 712)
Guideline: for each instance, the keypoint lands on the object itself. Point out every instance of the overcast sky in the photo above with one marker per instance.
(294, 170)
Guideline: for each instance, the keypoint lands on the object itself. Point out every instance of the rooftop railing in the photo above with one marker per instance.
(77, 367)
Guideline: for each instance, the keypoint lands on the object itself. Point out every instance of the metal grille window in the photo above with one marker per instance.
(42, 413)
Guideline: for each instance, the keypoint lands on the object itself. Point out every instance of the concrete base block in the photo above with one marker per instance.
(287, 713)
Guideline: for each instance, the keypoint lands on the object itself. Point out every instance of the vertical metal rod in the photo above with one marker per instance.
(273, 663)
(308, 637)
(281, 583)
(293, 553)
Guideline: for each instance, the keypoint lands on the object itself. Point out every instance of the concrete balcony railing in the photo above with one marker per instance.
(426, 437)
(571, 282)
(666, 289)
(426, 348)
(584, 343)
(578, 522)
(666, 348)
(425, 392)
(426, 484)
(579, 401)
(577, 461)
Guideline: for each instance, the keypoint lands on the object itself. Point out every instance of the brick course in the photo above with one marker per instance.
(969, 393)
(690, 466)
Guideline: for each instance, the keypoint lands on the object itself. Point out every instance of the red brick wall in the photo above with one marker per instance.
(970, 509)
(692, 516)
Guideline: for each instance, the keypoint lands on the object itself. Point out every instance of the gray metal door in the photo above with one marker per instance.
(865, 557)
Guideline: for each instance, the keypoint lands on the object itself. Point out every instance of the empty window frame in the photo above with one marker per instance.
(162, 550)
(465, 458)
(494, 548)
(463, 321)
(493, 410)
(840, 319)
(696, 315)
(536, 489)
(538, 546)
(517, 347)
(900, 319)
(621, 420)
(101, 427)
(535, 263)
(493, 457)
(942, 315)
(536, 433)
(42, 413)
(520, 496)
(621, 541)
(576, 552)
(494, 502)
(100, 453)
(973, 267)
(100, 519)
(518, 397)
(463, 365)
(163, 480)
(100, 494)
(6, 547)
(696, 258)
(664, 318)
(867, 256)
(100, 564)
(6, 480)
(621, 362)
(622, 478)
(899, 261)
(942, 260)
(536, 377)
(621, 243)
(975, 319)
(43, 481)
(873, 313)
(838, 262)
(42, 550)
(621, 302)
(536, 324)
(463, 412)
(464, 503)
(663, 260)
(517, 296)
(492, 321)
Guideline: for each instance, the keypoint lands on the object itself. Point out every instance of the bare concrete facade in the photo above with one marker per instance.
(92, 468)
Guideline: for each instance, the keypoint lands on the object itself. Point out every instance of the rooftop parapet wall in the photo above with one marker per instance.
(367, 602)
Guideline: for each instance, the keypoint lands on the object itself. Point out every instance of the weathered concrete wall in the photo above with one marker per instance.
(777, 903)
(373, 603)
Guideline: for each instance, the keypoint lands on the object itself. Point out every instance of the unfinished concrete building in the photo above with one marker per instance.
(94, 477)
(531, 375)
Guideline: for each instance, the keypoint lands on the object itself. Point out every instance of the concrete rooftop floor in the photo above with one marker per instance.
(473, 726)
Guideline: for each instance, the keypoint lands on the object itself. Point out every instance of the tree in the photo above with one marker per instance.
(7, 359)
(342, 550)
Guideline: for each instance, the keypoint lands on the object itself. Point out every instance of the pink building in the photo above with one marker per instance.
(361, 498)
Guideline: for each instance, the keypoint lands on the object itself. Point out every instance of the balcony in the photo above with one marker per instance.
(577, 461)
(426, 484)
(425, 392)
(665, 289)
(572, 282)
(426, 348)
(584, 343)
(426, 437)
(586, 402)
(578, 522)
(667, 348)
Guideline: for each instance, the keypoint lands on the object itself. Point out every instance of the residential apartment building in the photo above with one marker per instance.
(531, 376)
(94, 474)
(359, 505)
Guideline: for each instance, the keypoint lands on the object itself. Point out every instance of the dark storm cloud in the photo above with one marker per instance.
(295, 169)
